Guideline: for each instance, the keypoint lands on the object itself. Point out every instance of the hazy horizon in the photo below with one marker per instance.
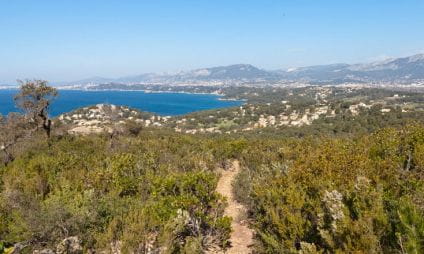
(73, 40)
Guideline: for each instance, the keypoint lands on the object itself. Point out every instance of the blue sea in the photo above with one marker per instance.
(159, 103)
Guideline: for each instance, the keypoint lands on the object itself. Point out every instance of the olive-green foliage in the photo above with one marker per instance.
(339, 195)
(156, 190)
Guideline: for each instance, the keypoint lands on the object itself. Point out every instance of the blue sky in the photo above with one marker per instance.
(62, 40)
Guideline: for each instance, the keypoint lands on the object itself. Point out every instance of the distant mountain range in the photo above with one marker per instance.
(406, 69)
(403, 70)
(237, 72)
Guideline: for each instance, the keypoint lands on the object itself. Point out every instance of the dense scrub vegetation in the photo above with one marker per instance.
(349, 185)
(154, 190)
(157, 190)
(337, 195)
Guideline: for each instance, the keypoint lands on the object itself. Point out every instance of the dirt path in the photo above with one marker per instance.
(242, 236)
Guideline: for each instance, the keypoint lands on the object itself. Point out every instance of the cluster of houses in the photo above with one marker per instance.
(287, 116)
(101, 118)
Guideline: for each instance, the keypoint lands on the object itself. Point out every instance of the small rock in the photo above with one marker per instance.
(70, 245)
(45, 251)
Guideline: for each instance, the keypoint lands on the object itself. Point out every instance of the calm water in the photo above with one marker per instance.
(159, 103)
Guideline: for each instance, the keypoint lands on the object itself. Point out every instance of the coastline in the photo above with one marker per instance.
(210, 96)
(155, 91)
(134, 90)
(8, 87)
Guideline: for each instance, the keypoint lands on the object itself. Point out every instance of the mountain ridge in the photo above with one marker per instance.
(403, 69)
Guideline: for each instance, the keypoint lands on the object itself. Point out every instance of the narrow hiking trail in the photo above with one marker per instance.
(242, 236)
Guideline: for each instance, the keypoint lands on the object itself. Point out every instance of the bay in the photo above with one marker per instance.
(158, 103)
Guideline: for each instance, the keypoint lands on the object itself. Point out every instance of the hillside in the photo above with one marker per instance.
(321, 170)
(302, 110)
(156, 191)
(211, 127)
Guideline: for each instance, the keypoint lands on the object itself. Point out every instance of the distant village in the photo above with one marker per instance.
(247, 117)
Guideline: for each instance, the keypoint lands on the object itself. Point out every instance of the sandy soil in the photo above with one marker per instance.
(242, 236)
